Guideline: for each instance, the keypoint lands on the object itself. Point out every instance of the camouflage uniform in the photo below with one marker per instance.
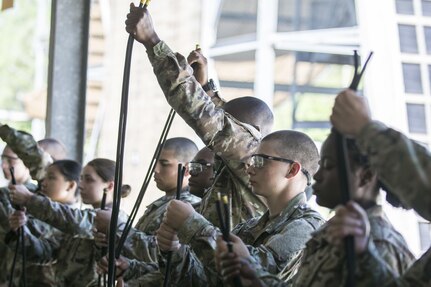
(323, 264)
(141, 246)
(230, 139)
(27, 149)
(35, 229)
(401, 164)
(76, 253)
(404, 166)
(272, 243)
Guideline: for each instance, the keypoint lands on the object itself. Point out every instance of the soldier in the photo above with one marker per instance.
(78, 253)
(280, 171)
(22, 176)
(323, 258)
(402, 164)
(140, 252)
(233, 132)
(201, 170)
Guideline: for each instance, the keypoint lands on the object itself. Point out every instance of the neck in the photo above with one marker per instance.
(278, 203)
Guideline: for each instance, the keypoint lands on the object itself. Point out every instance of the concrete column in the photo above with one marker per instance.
(67, 73)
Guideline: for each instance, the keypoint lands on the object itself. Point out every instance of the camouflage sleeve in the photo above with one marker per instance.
(141, 246)
(221, 132)
(372, 269)
(24, 145)
(402, 165)
(419, 274)
(283, 247)
(5, 211)
(395, 258)
(67, 219)
(39, 249)
(139, 268)
(201, 235)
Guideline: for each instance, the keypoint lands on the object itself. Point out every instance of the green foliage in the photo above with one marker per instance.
(17, 30)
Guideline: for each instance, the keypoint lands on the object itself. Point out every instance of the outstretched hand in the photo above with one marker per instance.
(140, 25)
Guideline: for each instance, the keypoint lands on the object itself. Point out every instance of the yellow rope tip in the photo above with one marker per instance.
(198, 47)
(225, 199)
(147, 2)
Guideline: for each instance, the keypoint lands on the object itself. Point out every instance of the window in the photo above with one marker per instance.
(408, 39)
(412, 78)
(426, 7)
(416, 118)
(404, 7)
(427, 32)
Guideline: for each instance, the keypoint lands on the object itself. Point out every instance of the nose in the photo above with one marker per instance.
(250, 169)
(318, 175)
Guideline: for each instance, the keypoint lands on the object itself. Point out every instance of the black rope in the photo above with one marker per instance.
(344, 168)
(147, 181)
(119, 160)
(103, 249)
(20, 240)
(180, 177)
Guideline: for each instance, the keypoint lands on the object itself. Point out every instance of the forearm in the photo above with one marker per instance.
(217, 129)
(201, 236)
(63, 217)
(141, 246)
(24, 145)
(402, 165)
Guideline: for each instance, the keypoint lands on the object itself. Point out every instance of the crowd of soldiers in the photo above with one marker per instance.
(269, 236)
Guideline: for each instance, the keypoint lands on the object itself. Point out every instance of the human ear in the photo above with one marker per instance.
(294, 169)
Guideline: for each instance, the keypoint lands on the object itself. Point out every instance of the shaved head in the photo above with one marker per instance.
(252, 111)
(54, 148)
(183, 148)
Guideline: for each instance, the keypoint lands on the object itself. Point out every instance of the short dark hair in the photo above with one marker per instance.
(253, 111)
(184, 148)
(70, 169)
(296, 146)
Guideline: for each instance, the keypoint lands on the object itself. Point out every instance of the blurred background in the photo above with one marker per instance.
(61, 65)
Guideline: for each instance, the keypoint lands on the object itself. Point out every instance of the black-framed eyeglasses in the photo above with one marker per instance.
(196, 168)
(258, 161)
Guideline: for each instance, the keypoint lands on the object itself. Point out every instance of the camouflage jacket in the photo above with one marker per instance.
(35, 229)
(141, 246)
(153, 216)
(323, 264)
(27, 149)
(72, 246)
(401, 164)
(229, 138)
(272, 243)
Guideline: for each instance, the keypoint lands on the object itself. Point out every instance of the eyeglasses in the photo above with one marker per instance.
(196, 168)
(8, 159)
(258, 161)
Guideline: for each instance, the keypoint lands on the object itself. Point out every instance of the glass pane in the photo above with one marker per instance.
(416, 118)
(426, 7)
(408, 39)
(237, 18)
(404, 7)
(298, 15)
(427, 31)
(412, 78)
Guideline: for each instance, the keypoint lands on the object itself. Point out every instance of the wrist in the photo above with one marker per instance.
(210, 86)
(152, 41)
